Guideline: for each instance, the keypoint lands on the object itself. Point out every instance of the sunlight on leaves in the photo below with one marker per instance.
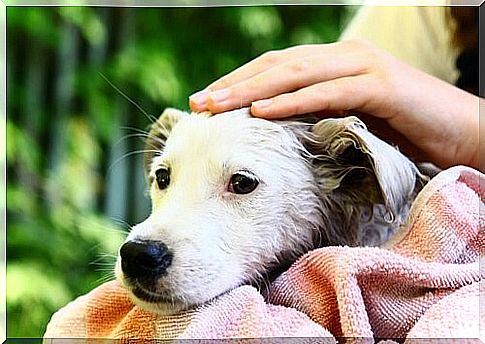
(48, 288)
(38, 24)
(86, 19)
(76, 180)
(103, 231)
(258, 22)
(153, 70)
(21, 148)
(305, 35)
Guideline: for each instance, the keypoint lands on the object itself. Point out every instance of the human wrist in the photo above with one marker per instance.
(469, 152)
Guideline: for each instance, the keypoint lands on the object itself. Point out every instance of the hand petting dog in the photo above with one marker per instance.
(426, 117)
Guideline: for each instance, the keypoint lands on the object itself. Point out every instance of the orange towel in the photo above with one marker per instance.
(425, 283)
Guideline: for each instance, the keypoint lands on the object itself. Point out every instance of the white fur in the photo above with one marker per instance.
(219, 239)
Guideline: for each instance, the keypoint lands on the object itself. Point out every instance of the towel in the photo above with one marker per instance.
(425, 283)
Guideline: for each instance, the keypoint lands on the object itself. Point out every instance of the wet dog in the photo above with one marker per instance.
(235, 198)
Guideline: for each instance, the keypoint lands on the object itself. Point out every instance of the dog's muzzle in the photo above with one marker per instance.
(144, 260)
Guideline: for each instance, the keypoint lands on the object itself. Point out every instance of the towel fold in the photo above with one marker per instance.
(425, 283)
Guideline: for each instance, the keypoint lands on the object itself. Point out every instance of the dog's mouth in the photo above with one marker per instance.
(150, 296)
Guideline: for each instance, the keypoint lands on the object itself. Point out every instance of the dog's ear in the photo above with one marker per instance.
(158, 134)
(357, 170)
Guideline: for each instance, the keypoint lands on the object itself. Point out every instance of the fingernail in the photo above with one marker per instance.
(260, 104)
(219, 96)
(199, 98)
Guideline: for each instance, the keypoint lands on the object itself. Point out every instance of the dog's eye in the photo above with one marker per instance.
(163, 177)
(243, 183)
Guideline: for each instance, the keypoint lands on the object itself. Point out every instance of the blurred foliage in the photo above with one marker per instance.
(69, 166)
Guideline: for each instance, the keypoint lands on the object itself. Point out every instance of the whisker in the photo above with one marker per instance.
(101, 226)
(105, 278)
(127, 227)
(121, 222)
(138, 130)
(141, 151)
(129, 136)
(144, 136)
(123, 231)
(104, 259)
(105, 263)
(150, 118)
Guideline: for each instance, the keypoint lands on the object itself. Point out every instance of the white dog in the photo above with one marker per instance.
(236, 197)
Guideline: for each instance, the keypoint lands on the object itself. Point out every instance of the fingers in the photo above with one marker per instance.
(258, 65)
(269, 60)
(206, 99)
(284, 77)
(200, 101)
(272, 73)
(335, 96)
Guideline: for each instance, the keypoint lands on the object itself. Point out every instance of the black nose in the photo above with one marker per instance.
(145, 258)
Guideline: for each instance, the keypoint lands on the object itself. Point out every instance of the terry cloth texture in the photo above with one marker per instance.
(425, 283)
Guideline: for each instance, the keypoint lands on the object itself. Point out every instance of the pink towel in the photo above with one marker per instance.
(424, 284)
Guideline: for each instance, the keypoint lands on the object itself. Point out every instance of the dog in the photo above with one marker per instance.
(235, 198)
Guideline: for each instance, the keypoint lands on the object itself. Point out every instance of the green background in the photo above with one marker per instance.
(74, 174)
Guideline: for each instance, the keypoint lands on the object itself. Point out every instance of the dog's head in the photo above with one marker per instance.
(234, 196)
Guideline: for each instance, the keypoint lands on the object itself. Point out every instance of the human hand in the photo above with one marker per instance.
(427, 118)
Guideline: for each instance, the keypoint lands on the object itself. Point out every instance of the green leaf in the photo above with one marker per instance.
(88, 22)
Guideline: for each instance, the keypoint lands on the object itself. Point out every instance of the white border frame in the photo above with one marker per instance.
(138, 3)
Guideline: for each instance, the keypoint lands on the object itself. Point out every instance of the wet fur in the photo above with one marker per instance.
(328, 182)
